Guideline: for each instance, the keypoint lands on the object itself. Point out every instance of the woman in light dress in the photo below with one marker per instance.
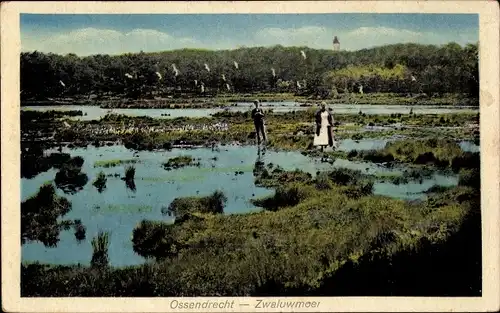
(324, 123)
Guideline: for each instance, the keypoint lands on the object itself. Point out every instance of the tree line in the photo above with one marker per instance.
(399, 68)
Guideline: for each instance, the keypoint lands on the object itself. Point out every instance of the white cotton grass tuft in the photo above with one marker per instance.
(176, 71)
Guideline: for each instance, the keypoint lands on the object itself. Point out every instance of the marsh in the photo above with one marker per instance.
(142, 173)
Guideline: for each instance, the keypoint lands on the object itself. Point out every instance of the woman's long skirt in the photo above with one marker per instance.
(324, 138)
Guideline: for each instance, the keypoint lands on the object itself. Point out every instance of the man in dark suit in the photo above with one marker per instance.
(258, 121)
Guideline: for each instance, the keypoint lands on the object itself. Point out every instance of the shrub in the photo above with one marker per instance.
(183, 205)
(212, 204)
(359, 190)
(278, 177)
(33, 162)
(70, 179)
(376, 156)
(438, 189)
(352, 154)
(100, 181)
(58, 159)
(293, 176)
(470, 178)
(322, 182)
(477, 140)
(285, 196)
(344, 176)
(434, 151)
(418, 174)
(469, 160)
(425, 158)
(80, 230)
(137, 141)
(357, 136)
(40, 215)
(153, 239)
(75, 162)
(265, 174)
(215, 203)
(167, 146)
(129, 173)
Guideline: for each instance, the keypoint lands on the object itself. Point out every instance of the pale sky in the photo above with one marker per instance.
(87, 34)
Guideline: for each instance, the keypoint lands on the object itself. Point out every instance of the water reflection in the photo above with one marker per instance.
(131, 185)
(70, 180)
(259, 165)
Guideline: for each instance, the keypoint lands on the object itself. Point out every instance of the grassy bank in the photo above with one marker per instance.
(436, 152)
(405, 99)
(293, 130)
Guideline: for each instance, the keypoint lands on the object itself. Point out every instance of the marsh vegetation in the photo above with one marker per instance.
(393, 210)
(100, 181)
(179, 162)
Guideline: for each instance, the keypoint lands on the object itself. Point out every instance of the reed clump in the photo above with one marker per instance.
(100, 246)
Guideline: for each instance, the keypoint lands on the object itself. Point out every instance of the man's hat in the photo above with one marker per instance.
(256, 101)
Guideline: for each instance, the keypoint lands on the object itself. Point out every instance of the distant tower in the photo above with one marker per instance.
(336, 44)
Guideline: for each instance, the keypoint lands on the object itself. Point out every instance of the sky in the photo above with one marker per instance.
(88, 34)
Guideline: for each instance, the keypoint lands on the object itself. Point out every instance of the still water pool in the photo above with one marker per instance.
(95, 112)
(118, 209)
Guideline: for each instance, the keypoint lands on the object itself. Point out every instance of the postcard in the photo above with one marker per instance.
(250, 156)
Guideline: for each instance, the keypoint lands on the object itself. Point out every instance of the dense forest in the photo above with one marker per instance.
(400, 68)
